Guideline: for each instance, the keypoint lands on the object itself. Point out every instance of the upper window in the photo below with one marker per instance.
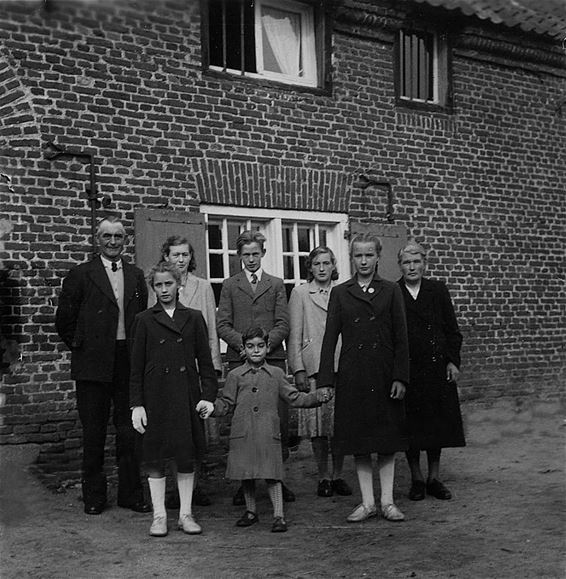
(274, 39)
(422, 68)
(291, 235)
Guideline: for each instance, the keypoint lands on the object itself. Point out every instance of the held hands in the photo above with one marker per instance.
(301, 382)
(204, 408)
(452, 372)
(324, 394)
(397, 390)
(139, 418)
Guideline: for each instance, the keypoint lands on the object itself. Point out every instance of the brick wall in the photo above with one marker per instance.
(483, 187)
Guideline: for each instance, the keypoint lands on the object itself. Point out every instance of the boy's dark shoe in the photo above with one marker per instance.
(137, 506)
(417, 491)
(341, 487)
(324, 488)
(436, 489)
(279, 525)
(247, 519)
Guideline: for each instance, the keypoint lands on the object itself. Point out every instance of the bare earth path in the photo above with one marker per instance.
(506, 520)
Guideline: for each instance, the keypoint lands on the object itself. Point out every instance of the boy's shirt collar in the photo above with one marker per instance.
(258, 273)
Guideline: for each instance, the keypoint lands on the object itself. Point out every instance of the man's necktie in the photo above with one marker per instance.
(254, 282)
(114, 266)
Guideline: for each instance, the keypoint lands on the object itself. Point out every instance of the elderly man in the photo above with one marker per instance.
(96, 312)
(252, 297)
(433, 407)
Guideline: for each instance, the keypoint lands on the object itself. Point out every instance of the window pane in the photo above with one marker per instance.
(322, 236)
(235, 264)
(281, 38)
(216, 288)
(233, 233)
(288, 289)
(288, 268)
(214, 236)
(304, 238)
(303, 266)
(215, 263)
(287, 234)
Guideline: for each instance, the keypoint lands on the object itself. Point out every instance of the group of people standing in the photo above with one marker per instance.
(374, 363)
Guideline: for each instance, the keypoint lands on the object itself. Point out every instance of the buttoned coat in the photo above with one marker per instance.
(374, 353)
(198, 294)
(171, 371)
(433, 406)
(253, 394)
(308, 308)
(87, 317)
(240, 308)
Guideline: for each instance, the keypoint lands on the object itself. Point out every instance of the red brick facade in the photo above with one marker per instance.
(481, 184)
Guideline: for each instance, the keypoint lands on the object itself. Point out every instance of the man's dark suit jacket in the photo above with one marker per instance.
(87, 317)
(240, 308)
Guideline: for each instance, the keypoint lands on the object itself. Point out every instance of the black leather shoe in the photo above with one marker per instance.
(247, 519)
(138, 506)
(341, 487)
(324, 488)
(279, 525)
(288, 494)
(238, 500)
(94, 508)
(200, 498)
(436, 489)
(417, 491)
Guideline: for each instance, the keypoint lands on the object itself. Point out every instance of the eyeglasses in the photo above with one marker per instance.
(109, 236)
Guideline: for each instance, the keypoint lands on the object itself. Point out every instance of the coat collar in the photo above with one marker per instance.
(317, 297)
(177, 322)
(99, 277)
(374, 289)
(247, 367)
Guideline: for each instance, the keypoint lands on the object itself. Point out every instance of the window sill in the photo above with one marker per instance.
(423, 106)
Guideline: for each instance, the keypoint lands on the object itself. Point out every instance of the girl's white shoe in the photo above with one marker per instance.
(159, 527)
(188, 525)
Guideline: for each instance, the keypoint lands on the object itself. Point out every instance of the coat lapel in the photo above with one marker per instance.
(318, 298)
(163, 318)
(244, 285)
(263, 285)
(100, 279)
(129, 282)
(181, 316)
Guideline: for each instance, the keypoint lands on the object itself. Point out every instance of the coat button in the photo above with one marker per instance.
(254, 389)
(183, 369)
(360, 346)
(179, 339)
(162, 341)
(166, 370)
(372, 318)
(256, 409)
(356, 320)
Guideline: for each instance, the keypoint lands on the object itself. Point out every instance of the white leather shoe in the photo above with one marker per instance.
(361, 513)
(158, 527)
(188, 525)
(392, 513)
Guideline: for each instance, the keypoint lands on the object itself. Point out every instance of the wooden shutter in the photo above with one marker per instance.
(393, 238)
(154, 226)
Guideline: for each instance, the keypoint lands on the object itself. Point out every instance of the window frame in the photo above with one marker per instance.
(322, 43)
(441, 71)
(270, 223)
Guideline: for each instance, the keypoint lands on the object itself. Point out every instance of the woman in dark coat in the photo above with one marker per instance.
(373, 371)
(433, 408)
(171, 371)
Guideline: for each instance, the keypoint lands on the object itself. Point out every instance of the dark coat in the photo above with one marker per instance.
(433, 407)
(171, 371)
(374, 353)
(255, 436)
(240, 308)
(87, 317)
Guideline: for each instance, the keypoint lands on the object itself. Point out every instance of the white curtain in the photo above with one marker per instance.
(283, 32)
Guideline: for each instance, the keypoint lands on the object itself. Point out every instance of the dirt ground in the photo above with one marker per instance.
(506, 519)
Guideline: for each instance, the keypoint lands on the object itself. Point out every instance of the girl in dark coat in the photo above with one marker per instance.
(171, 372)
(433, 408)
(373, 370)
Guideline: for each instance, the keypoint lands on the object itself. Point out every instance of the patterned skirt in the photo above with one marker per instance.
(316, 421)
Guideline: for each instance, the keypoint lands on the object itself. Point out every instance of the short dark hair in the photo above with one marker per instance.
(314, 254)
(249, 236)
(164, 267)
(178, 240)
(254, 332)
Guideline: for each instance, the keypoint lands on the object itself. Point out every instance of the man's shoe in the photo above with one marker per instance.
(137, 506)
(288, 494)
(436, 489)
(361, 513)
(188, 525)
(324, 488)
(239, 500)
(341, 487)
(279, 525)
(94, 508)
(392, 513)
(247, 519)
(417, 491)
(158, 527)
(200, 498)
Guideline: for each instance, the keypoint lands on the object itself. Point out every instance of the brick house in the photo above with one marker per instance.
(441, 120)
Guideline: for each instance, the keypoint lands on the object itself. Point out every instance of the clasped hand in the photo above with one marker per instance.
(204, 408)
(325, 394)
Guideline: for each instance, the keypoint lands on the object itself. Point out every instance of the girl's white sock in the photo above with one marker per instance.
(157, 492)
(185, 483)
